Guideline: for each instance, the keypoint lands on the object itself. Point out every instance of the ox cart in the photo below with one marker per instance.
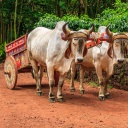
(17, 60)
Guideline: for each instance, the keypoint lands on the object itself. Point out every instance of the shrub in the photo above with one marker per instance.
(2, 51)
(48, 20)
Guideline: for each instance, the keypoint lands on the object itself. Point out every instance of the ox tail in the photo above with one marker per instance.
(30, 55)
(29, 49)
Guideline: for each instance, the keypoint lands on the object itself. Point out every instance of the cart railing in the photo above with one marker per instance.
(18, 49)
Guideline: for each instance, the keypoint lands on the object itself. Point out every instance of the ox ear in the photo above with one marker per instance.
(110, 34)
(110, 51)
(68, 51)
(63, 37)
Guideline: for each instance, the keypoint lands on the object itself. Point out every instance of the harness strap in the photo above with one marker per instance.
(92, 42)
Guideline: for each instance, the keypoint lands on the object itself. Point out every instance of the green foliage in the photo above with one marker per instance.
(48, 20)
(92, 83)
(2, 51)
(117, 18)
(75, 23)
(86, 21)
(110, 87)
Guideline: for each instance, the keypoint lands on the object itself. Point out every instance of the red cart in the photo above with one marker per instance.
(17, 61)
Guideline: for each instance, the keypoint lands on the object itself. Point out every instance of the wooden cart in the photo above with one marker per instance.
(16, 61)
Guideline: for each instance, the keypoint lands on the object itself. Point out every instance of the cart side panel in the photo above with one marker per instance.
(18, 49)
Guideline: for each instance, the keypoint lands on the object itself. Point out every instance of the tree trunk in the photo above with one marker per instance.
(0, 27)
(11, 27)
(97, 7)
(15, 14)
(74, 7)
(85, 6)
(3, 31)
(1, 23)
(79, 8)
(57, 8)
(20, 17)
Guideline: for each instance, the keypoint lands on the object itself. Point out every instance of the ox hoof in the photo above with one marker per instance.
(60, 100)
(52, 100)
(82, 91)
(107, 96)
(101, 98)
(72, 90)
(39, 93)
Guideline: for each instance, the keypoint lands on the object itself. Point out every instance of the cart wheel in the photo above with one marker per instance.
(10, 71)
(56, 77)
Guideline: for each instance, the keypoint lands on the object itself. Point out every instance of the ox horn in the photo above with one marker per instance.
(109, 33)
(92, 29)
(65, 30)
(88, 32)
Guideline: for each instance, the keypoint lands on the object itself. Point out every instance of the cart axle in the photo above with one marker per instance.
(7, 73)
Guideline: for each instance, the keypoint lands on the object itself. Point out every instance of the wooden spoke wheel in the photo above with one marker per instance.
(10, 72)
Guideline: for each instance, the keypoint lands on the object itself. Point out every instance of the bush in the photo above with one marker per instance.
(48, 20)
(2, 52)
(117, 18)
(75, 23)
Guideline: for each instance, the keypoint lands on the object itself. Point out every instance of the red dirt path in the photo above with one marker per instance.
(22, 108)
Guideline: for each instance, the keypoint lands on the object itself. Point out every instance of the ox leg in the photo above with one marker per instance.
(60, 85)
(40, 75)
(73, 72)
(101, 81)
(51, 83)
(101, 91)
(81, 88)
(106, 93)
(37, 75)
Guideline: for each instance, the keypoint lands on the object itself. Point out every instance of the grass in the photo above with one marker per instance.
(93, 84)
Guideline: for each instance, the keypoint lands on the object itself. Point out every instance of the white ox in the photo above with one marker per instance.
(55, 49)
(102, 59)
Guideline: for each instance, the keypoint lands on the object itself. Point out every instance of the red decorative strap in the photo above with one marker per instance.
(90, 44)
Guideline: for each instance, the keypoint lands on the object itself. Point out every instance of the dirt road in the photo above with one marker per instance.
(22, 108)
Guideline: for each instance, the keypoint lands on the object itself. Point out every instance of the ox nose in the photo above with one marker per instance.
(120, 61)
(80, 60)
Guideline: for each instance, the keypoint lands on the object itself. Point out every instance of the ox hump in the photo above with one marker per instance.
(59, 25)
